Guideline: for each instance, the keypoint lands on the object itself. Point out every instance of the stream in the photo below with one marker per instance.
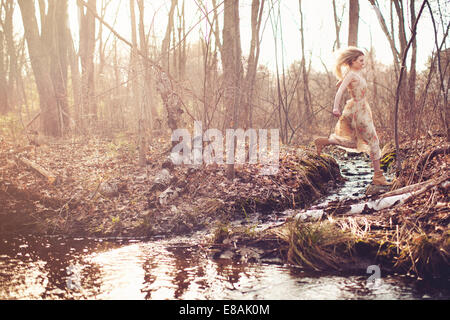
(54, 267)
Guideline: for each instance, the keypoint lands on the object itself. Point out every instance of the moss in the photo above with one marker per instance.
(221, 232)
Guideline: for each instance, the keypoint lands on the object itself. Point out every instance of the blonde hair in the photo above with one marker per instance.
(345, 58)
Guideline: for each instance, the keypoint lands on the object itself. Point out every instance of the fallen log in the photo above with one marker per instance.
(428, 184)
(38, 169)
(388, 200)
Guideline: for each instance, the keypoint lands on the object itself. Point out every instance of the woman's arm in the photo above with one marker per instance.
(337, 100)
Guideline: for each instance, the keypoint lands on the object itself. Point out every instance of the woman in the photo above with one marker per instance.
(355, 129)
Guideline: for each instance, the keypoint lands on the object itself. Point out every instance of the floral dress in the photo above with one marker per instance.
(355, 128)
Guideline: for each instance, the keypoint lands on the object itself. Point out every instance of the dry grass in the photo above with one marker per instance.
(424, 255)
(332, 245)
(318, 246)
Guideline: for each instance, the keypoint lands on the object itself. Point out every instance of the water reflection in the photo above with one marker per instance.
(37, 267)
(57, 268)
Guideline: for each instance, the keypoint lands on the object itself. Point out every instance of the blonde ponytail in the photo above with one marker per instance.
(345, 58)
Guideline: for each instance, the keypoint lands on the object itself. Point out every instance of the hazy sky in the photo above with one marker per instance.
(318, 23)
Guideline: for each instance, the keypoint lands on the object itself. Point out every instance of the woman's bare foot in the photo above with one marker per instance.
(320, 144)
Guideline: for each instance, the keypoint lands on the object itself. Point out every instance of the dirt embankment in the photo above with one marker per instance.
(99, 190)
(410, 236)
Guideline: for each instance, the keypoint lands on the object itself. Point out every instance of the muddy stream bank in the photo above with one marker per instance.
(200, 265)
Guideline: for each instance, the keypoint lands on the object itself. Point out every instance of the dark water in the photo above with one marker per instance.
(181, 268)
(57, 268)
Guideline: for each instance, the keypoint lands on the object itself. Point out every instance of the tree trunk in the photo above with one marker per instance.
(353, 23)
(404, 99)
(57, 40)
(182, 42)
(40, 62)
(399, 85)
(337, 26)
(133, 74)
(4, 107)
(87, 48)
(166, 41)
(75, 77)
(13, 75)
(137, 87)
(216, 28)
(232, 69)
(249, 83)
(53, 37)
(398, 55)
(148, 86)
(165, 85)
(306, 93)
(412, 76)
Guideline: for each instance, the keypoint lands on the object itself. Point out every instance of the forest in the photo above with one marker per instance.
(95, 96)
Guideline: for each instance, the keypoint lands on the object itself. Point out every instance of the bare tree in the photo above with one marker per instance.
(337, 26)
(232, 69)
(46, 52)
(442, 66)
(87, 48)
(165, 84)
(56, 38)
(148, 85)
(75, 76)
(165, 52)
(181, 48)
(399, 85)
(309, 114)
(389, 35)
(252, 64)
(412, 73)
(210, 50)
(398, 54)
(353, 23)
(9, 68)
(4, 106)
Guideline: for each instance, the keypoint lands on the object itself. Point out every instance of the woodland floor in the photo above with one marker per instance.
(101, 191)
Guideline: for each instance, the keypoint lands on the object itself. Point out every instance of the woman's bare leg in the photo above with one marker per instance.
(376, 165)
(322, 142)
